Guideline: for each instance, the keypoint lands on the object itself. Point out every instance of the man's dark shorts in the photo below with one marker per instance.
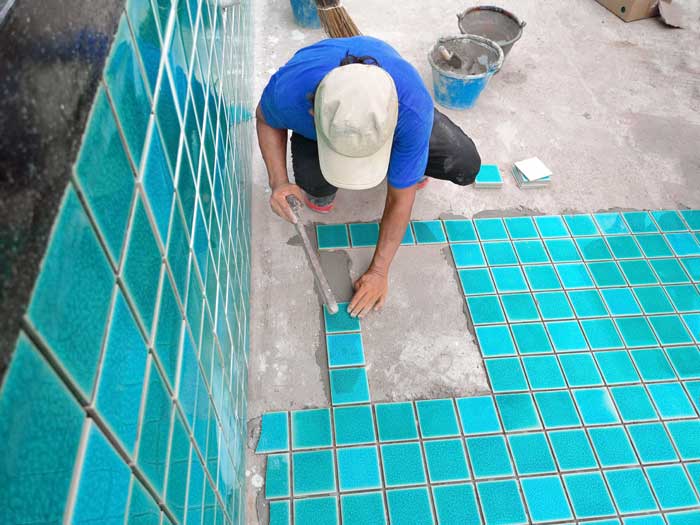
(452, 156)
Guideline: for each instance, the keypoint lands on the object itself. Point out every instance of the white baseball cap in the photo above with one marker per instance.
(356, 109)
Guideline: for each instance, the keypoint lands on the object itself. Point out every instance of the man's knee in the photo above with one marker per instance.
(465, 165)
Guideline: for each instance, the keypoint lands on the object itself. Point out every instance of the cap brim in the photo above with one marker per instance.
(353, 173)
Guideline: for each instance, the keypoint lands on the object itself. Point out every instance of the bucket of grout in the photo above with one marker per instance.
(460, 87)
(305, 13)
(494, 23)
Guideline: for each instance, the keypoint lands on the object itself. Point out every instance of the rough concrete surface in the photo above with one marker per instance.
(612, 108)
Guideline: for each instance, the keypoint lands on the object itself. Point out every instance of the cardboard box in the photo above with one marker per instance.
(630, 10)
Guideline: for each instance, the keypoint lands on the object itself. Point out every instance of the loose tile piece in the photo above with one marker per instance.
(332, 236)
(364, 234)
(340, 322)
(274, 433)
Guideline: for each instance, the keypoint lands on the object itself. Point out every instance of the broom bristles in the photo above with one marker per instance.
(335, 19)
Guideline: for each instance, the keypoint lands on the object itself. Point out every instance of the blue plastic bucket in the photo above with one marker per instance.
(460, 89)
(305, 13)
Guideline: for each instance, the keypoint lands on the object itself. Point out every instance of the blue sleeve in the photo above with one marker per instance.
(268, 105)
(409, 156)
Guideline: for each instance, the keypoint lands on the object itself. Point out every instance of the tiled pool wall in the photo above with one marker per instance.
(125, 397)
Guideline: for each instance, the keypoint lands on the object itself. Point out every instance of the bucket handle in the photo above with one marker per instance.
(522, 23)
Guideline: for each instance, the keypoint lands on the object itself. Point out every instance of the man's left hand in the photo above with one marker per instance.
(370, 293)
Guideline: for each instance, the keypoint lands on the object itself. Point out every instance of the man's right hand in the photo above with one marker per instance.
(278, 200)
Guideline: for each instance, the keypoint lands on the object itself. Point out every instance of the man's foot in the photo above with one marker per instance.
(320, 204)
(422, 183)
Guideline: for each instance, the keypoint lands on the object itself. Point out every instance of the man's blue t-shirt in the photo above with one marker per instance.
(286, 101)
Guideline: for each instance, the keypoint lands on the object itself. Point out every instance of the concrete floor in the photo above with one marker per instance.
(612, 108)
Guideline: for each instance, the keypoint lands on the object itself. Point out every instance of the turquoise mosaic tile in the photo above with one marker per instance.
(606, 274)
(121, 381)
(437, 418)
(155, 430)
(107, 191)
(46, 420)
(654, 245)
(557, 409)
(429, 232)
(476, 281)
(566, 336)
(601, 334)
(692, 218)
(361, 234)
(636, 332)
(168, 331)
(127, 90)
(692, 321)
(652, 364)
(478, 415)
(142, 508)
(403, 464)
(396, 421)
(460, 231)
(669, 330)
(495, 340)
(349, 386)
(630, 490)
(517, 412)
(640, 222)
(683, 518)
(685, 298)
(71, 297)
(542, 277)
(274, 433)
(345, 350)
(612, 446)
(531, 338)
(332, 236)
(342, 321)
(506, 375)
(501, 502)
(574, 276)
(543, 372)
(596, 406)
(485, 309)
(499, 253)
(531, 453)
(593, 249)
(672, 487)
(572, 450)
(456, 504)
(358, 468)
(520, 307)
(354, 425)
(316, 511)
(178, 464)
(633, 403)
(158, 184)
(638, 272)
(653, 300)
(669, 221)
(617, 367)
(509, 279)
(683, 244)
(588, 303)
(468, 255)
(531, 252)
(489, 456)
(580, 370)
(546, 499)
(489, 176)
(521, 228)
(313, 472)
(652, 443)
(669, 271)
(685, 360)
(491, 229)
(142, 266)
(589, 495)
(553, 306)
(581, 225)
(670, 400)
(624, 247)
(280, 513)
(410, 507)
(363, 509)
(610, 223)
(277, 476)
(311, 428)
(446, 460)
(686, 437)
(692, 266)
(551, 226)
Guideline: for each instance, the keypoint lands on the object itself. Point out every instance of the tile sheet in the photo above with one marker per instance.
(589, 328)
(139, 316)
